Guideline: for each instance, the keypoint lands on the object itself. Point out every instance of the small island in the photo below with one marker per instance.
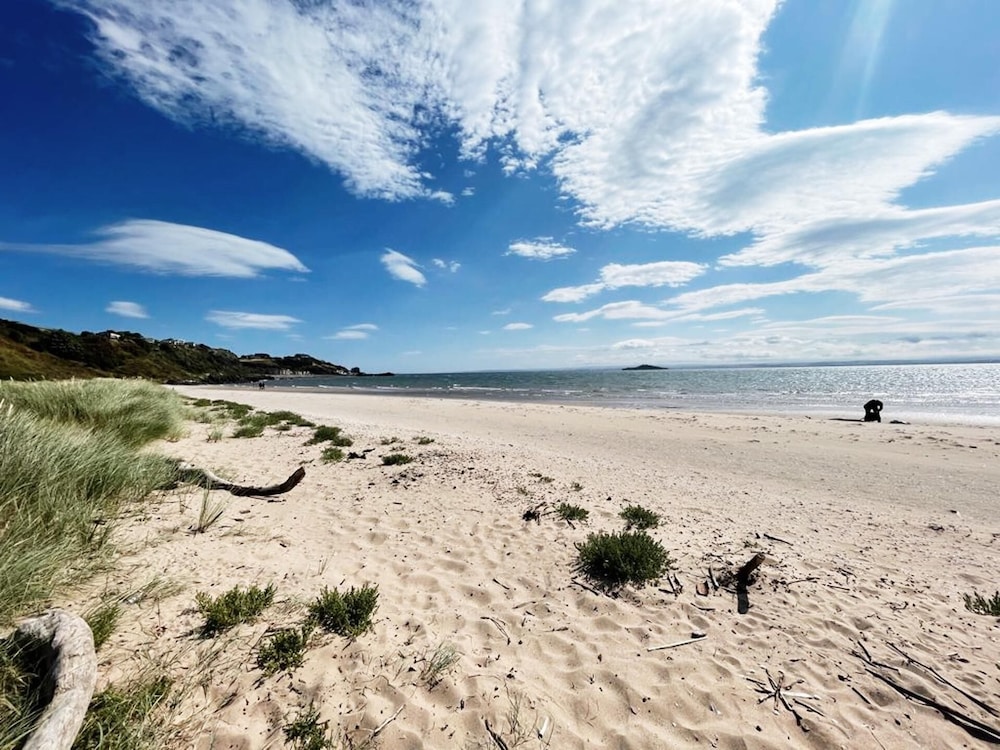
(645, 367)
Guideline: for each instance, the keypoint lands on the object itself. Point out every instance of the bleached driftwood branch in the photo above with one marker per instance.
(69, 644)
(204, 478)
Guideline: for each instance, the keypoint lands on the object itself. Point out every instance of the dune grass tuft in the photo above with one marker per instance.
(125, 718)
(330, 434)
(61, 486)
(637, 517)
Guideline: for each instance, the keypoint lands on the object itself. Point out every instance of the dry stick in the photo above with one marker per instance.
(985, 706)
(386, 723)
(579, 583)
(495, 737)
(499, 624)
(506, 588)
(976, 728)
(861, 695)
(678, 643)
(776, 539)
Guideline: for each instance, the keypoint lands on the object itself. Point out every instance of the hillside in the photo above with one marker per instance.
(27, 352)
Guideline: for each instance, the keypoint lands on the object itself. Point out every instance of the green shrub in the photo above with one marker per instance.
(233, 607)
(332, 455)
(348, 614)
(307, 732)
(423, 440)
(396, 459)
(231, 409)
(569, 512)
(285, 650)
(390, 440)
(976, 603)
(330, 434)
(613, 560)
(249, 429)
(637, 517)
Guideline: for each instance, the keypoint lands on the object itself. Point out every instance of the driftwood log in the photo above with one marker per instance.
(208, 480)
(68, 646)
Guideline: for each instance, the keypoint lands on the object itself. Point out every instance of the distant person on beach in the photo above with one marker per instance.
(260, 385)
(873, 411)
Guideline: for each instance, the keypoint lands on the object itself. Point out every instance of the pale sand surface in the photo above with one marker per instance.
(885, 527)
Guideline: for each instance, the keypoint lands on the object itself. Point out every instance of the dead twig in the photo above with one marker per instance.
(499, 625)
(985, 706)
(693, 639)
(775, 539)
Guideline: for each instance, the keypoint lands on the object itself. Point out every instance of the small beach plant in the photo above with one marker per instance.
(613, 560)
(982, 606)
(439, 664)
(390, 440)
(209, 512)
(233, 607)
(569, 513)
(348, 614)
(330, 434)
(123, 718)
(637, 517)
(102, 620)
(285, 650)
(423, 440)
(307, 732)
(332, 454)
(396, 459)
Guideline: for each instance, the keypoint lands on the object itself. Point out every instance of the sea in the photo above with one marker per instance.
(962, 393)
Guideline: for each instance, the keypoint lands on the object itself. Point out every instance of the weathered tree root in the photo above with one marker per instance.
(208, 480)
(68, 644)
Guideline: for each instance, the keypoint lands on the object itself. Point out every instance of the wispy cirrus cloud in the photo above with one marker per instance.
(451, 266)
(616, 276)
(127, 309)
(15, 305)
(671, 134)
(402, 267)
(166, 248)
(233, 319)
(543, 248)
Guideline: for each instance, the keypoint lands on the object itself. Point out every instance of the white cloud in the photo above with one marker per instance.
(230, 319)
(127, 309)
(616, 276)
(402, 267)
(468, 192)
(628, 310)
(162, 247)
(634, 344)
(505, 311)
(15, 305)
(447, 265)
(543, 248)
(649, 112)
(517, 326)
(357, 332)
(572, 293)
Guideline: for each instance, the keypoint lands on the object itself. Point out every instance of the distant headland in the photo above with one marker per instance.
(30, 353)
(645, 367)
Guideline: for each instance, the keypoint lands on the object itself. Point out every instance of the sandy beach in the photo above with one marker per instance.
(872, 535)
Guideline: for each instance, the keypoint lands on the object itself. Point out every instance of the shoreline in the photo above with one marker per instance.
(872, 533)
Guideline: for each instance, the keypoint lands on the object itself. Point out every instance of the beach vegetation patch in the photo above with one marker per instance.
(348, 614)
(285, 650)
(126, 718)
(102, 620)
(216, 434)
(576, 487)
(332, 454)
(22, 667)
(423, 440)
(330, 434)
(390, 441)
(637, 517)
(569, 512)
(233, 607)
(982, 606)
(249, 429)
(231, 409)
(541, 477)
(614, 560)
(63, 484)
(396, 459)
(439, 664)
(307, 732)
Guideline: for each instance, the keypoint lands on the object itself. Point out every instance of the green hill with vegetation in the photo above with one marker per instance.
(30, 353)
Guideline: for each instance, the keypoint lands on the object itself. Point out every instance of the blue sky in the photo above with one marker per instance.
(440, 185)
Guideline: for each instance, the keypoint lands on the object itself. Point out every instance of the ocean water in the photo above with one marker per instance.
(967, 393)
